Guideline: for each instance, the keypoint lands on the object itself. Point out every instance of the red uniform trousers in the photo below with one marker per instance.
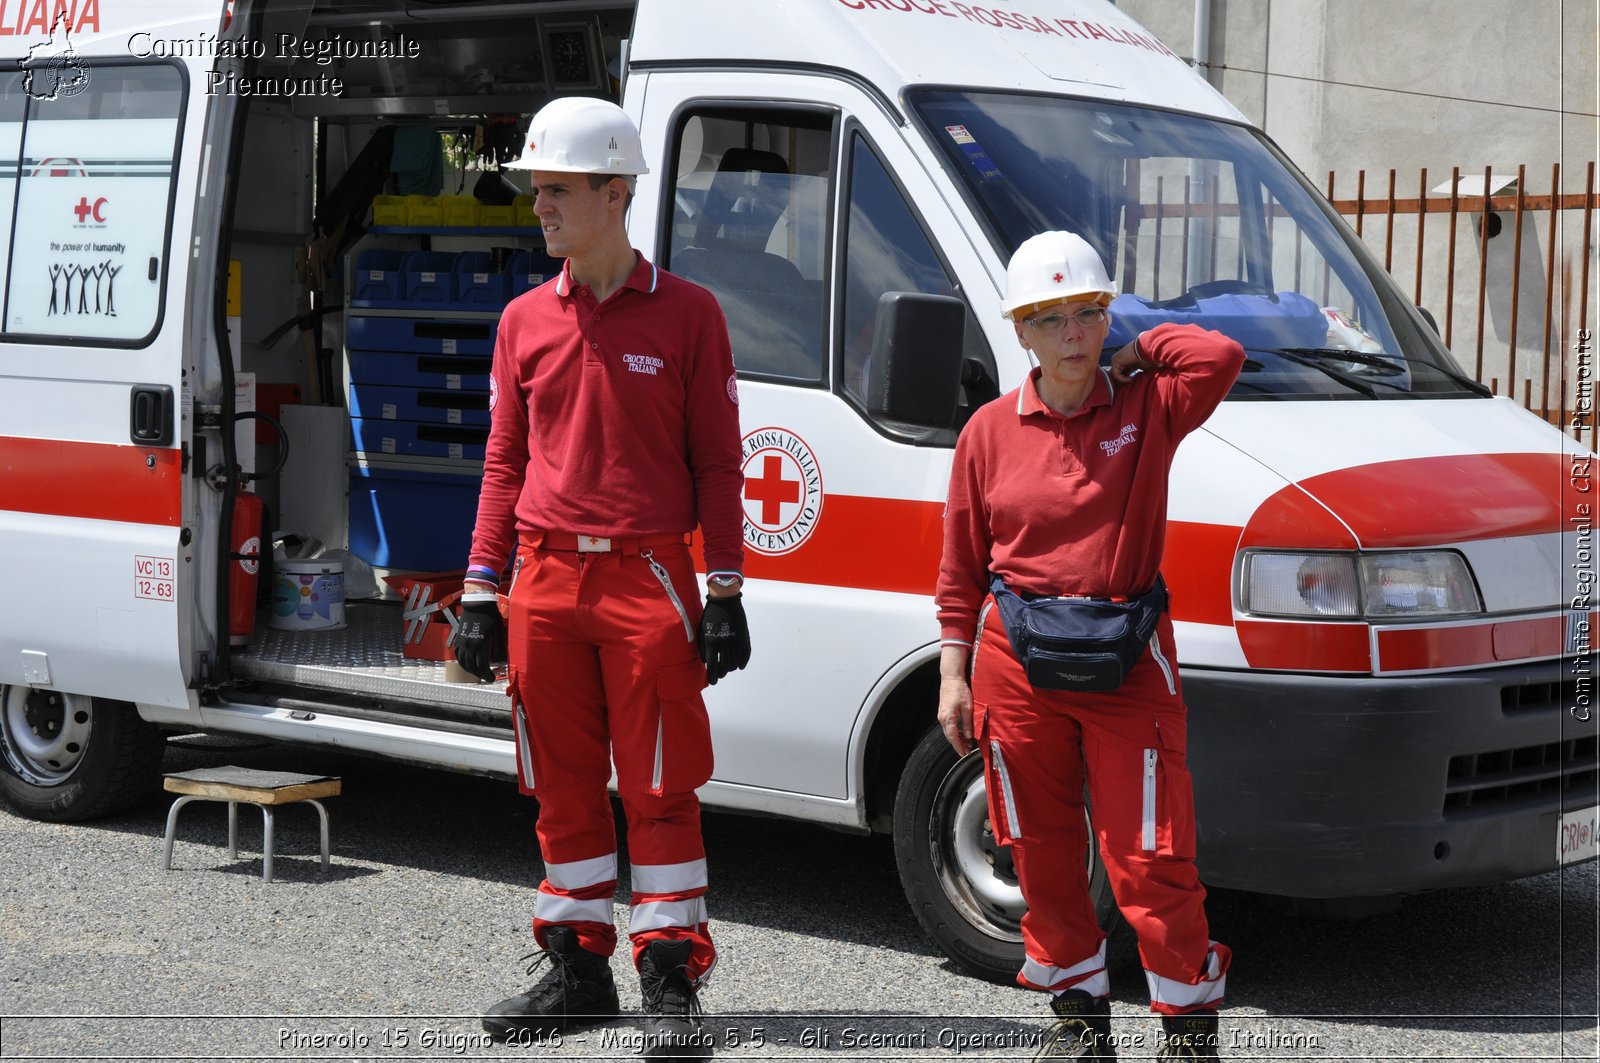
(1039, 747)
(604, 667)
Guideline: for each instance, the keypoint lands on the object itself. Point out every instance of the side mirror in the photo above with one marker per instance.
(1427, 315)
(915, 373)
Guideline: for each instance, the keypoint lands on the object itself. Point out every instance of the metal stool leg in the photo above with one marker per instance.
(172, 825)
(233, 830)
(266, 844)
(322, 813)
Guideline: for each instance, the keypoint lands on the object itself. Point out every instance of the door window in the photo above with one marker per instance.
(887, 250)
(92, 187)
(750, 204)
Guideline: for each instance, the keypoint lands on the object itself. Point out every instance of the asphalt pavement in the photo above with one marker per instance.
(424, 917)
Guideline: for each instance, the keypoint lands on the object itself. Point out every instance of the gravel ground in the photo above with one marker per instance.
(423, 917)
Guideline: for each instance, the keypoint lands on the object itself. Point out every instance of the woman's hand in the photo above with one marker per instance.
(1128, 363)
(955, 712)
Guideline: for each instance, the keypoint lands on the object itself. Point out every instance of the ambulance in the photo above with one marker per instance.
(255, 252)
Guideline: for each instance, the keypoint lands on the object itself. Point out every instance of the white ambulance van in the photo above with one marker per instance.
(1381, 576)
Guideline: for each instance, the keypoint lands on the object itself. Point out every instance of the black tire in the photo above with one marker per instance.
(66, 757)
(959, 880)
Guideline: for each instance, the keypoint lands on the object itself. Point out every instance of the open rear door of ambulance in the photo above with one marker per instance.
(100, 152)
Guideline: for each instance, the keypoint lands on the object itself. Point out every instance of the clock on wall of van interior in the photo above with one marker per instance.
(574, 55)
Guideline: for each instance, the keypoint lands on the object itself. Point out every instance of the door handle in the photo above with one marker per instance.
(150, 415)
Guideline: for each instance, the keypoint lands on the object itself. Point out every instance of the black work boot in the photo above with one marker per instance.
(1082, 1029)
(672, 1028)
(1189, 1036)
(576, 991)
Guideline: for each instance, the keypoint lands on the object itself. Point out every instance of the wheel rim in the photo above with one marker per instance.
(973, 869)
(45, 733)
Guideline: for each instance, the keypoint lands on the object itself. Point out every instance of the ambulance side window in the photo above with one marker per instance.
(886, 249)
(750, 195)
(13, 105)
(93, 185)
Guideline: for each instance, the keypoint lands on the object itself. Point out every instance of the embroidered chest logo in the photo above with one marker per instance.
(644, 363)
(1111, 446)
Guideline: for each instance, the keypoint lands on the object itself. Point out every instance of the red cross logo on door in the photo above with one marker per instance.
(771, 489)
(782, 491)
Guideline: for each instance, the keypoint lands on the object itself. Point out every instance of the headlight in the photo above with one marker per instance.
(1356, 586)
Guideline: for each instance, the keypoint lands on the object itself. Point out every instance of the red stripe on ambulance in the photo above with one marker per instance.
(95, 481)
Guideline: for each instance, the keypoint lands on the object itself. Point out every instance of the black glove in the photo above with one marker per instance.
(724, 637)
(481, 637)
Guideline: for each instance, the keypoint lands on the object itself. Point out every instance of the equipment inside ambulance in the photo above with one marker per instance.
(1371, 560)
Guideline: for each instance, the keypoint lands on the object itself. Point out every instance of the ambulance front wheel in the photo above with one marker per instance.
(959, 879)
(66, 757)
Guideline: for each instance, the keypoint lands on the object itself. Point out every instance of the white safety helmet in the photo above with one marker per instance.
(1053, 268)
(581, 134)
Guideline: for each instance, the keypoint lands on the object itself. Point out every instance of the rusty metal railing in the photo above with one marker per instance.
(1505, 280)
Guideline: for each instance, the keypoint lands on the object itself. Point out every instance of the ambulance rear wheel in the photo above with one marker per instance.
(66, 757)
(959, 879)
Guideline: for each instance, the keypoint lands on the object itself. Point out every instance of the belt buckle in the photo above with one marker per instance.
(593, 544)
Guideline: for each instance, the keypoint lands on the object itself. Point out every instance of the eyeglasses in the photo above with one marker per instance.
(1088, 317)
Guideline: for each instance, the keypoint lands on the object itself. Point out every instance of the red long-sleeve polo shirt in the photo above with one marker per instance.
(617, 419)
(1075, 505)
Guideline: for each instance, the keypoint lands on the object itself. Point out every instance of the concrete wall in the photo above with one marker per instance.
(1350, 84)
(1347, 85)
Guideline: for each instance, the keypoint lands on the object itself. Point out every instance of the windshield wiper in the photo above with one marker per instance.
(1341, 354)
(1387, 361)
(1318, 361)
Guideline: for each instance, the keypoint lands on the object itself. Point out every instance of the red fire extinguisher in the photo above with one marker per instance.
(246, 552)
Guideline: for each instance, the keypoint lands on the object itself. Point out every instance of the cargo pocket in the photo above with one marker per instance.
(519, 725)
(1169, 824)
(996, 779)
(682, 760)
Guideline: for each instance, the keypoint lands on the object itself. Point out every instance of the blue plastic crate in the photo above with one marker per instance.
(529, 269)
(454, 337)
(438, 406)
(412, 520)
(379, 278)
(435, 372)
(430, 277)
(416, 439)
(479, 286)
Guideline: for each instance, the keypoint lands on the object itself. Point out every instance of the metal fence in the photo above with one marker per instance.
(1505, 270)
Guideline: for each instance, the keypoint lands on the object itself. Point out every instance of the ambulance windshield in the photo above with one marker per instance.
(1197, 221)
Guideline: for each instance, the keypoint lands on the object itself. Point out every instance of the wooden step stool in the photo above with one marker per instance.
(264, 788)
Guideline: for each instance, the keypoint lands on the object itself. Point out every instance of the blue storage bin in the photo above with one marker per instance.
(529, 269)
(412, 520)
(382, 403)
(479, 286)
(430, 277)
(415, 439)
(435, 372)
(1260, 320)
(379, 278)
(420, 334)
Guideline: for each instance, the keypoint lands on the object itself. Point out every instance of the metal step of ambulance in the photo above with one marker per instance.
(360, 667)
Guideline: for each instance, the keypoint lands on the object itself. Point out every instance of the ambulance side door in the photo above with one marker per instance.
(788, 196)
(101, 152)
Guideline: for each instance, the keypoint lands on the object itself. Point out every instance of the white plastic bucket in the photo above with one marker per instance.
(307, 595)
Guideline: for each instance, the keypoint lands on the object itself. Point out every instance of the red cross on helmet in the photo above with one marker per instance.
(1054, 267)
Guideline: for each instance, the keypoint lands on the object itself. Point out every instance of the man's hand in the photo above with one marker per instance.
(955, 712)
(724, 636)
(482, 634)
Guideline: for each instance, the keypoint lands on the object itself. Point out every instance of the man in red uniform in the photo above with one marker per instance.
(614, 431)
(1060, 489)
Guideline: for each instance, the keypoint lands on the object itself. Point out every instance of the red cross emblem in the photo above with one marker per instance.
(1058, 278)
(771, 489)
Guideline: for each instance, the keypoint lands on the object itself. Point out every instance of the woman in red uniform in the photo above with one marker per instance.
(1060, 489)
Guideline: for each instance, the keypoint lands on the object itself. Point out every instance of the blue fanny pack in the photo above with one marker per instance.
(1079, 643)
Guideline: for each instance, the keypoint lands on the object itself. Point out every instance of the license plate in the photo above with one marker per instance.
(1578, 835)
